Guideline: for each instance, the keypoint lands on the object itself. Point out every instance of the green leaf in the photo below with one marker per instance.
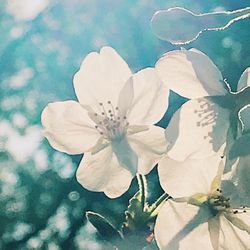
(103, 226)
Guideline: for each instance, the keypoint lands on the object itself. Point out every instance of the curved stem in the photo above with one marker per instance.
(159, 201)
(142, 187)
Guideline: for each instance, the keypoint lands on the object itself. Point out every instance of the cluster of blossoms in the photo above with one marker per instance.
(201, 155)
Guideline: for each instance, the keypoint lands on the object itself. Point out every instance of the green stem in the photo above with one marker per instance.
(159, 201)
(143, 188)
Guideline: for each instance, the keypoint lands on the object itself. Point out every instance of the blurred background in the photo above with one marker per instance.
(42, 43)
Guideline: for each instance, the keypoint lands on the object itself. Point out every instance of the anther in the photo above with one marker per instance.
(103, 113)
(236, 211)
(222, 157)
(95, 114)
(96, 126)
(244, 211)
(109, 102)
(100, 103)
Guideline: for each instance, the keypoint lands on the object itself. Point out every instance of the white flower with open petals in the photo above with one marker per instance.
(112, 124)
(203, 213)
(211, 118)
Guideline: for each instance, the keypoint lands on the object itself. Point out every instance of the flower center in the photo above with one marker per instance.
(218, 203)
(110, 121)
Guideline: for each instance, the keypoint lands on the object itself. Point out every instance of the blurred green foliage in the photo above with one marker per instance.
(42, 205)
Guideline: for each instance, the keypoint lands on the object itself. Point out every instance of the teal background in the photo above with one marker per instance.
(42, 205)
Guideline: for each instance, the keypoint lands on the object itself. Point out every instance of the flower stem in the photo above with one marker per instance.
(159, 201)
(142, 188)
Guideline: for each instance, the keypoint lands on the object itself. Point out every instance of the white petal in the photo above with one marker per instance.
(197, 130)
(244, 116)
(241, 147)
(102, 172)
(149, 146)
(244, 79)
(214, 231)
(68, 127)
(150, 98)
(190, 73)
(101, 77)
(189, 177)
(239, 189)
(125, 154)
(126, 97)
(182, 224)
(231, 237)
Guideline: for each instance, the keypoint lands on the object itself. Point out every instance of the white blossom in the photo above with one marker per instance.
(211, 118)
(112, 124)
(203, 213)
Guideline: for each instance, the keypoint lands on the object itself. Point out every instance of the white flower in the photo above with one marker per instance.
(112, 123)
(204, 123)
(202, 214)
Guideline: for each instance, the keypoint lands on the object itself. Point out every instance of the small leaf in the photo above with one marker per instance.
(103, 226)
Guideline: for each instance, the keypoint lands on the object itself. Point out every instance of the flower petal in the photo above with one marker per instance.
(182, 226)
(197, 130)
(68, 127)
(241, 147)
(125, 154)
(190, 73)
(238, 183)
(102, 172)
(149, 146)
(150, 98)
(231, 237)
(214, 231)
(244, 116)
(126, 97)
(101, 77)
(244, 79)
(186, 178)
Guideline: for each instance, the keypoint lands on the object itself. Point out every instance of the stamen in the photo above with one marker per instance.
(107, 121)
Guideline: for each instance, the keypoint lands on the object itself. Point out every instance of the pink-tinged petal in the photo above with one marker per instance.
(102, 172)
(101, 77)
(182, 226)
(149, 146)
(68, 127)
(197, 130)
(150, 98)
(244, 80)
(189, 177)
(190, 73)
